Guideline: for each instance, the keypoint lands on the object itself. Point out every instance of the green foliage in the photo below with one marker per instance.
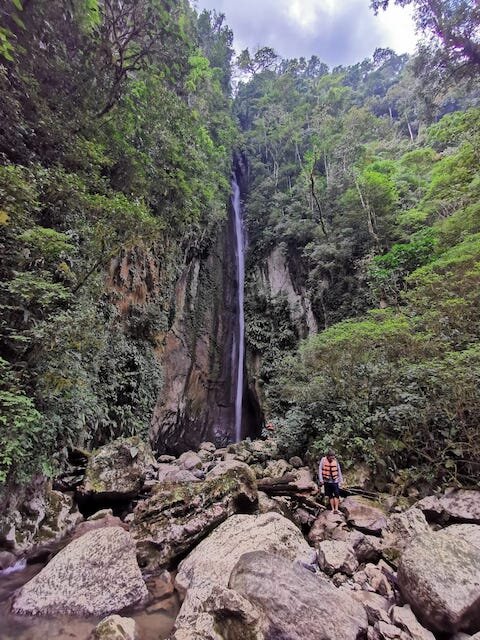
(370, 207)
(115, 155)
(22, 438)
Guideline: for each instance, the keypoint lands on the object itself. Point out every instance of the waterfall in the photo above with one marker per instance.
(239, 344)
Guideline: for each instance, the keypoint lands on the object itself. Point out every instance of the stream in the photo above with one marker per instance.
(154, 621)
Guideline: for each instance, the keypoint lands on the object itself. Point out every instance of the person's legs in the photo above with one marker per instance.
(336, 498)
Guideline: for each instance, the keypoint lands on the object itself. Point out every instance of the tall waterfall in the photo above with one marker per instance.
(240, 342)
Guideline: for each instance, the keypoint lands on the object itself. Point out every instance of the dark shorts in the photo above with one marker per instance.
(332, 490)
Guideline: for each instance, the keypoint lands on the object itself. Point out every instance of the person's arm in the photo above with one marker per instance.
(340, 476)
(320, 471)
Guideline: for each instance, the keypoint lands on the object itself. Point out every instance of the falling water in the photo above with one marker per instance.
(241, 318)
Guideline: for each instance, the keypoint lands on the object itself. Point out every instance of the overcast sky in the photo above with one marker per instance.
(337, 31)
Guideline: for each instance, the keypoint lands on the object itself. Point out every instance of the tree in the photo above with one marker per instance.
(451, 24)
(262, 59)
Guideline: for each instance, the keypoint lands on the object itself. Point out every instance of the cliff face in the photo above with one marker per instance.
(279, 314)
(197, 401)
(275, 277)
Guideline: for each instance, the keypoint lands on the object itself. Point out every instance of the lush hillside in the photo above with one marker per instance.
(361, 192)
(116, 137)
(367, 181)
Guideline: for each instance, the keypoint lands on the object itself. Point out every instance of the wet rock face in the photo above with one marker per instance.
(439, 576)
(272, 583)
(197, 402)
(117, 470)
(94, 575)
(178, 515)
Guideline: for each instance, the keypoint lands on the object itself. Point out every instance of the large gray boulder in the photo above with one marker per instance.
(178, 515)
(439, 576)
(118, 470)
(400, 529)
(214, 558)
(336, 556)
(459, 505)
(94, 575)
(296, 603)
(364, 515)
(203, 576)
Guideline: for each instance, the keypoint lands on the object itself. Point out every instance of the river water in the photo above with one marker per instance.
(154, 622)
(239, 344)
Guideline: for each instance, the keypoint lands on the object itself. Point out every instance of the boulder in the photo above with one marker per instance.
(364, 515)
(176, 516)
(99, 515)
(207, 446)
(115, 628)
(166, 459)
(468, 532)
(36, 516)
(335, 555)
(324, 527)
(99, 523)
(263, 450)
(296, 603)
(399, 530)
(276, 469)
(266, 504)
(189, 461)
(385, 631)
(404, 618)
(118, 470)
(366, 548)
(439, 576)
(7, 559)
(459, 505)
(168, 473)
(375, 605)
(296, 462)
(304, 482)
(214, 558)
(94, 575)
(378, 580)
(211, 611)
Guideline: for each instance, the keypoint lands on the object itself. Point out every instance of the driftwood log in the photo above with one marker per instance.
(285, 486)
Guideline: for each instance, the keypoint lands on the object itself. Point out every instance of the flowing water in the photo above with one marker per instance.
(154, 622)
(240, 342)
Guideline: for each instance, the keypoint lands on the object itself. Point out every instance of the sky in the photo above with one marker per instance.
(337, 31)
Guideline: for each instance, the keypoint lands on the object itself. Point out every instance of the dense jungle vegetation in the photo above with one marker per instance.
(115, 133)
(368, 179)
(117, 127)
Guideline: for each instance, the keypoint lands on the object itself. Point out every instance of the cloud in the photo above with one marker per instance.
(337, 31)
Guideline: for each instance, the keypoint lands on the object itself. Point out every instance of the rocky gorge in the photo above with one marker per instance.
(235, 543)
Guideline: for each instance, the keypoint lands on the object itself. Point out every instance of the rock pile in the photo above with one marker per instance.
(249, 536)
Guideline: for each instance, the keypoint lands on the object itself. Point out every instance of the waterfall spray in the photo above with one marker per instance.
(240, 342)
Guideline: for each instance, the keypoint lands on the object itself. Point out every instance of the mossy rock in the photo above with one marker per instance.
(118, 469)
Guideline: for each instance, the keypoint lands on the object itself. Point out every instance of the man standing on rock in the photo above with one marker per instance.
(330, 475)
